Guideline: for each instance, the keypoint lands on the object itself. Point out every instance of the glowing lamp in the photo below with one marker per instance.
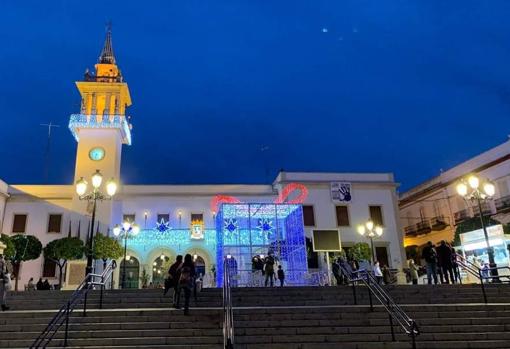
(126, 225)
(489, 189)
(135, 229)
(162, 257)
(195, 257)
(81, 187)
(229, 256)
(370, 225)
(97, 179)
(474, 182)
(462, 189)
(361, 229)
(378, 230)
(116, 230)
(111, 187)
(128, 257)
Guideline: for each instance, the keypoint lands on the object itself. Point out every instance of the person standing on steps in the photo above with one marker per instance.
(269, 269)
(444, 255)
(413, 268)
(335, 268)
(186, 281)
(456, 271)
(281, 275)
(430, 257)
(378, 273)
(173, 278)
(4, 281)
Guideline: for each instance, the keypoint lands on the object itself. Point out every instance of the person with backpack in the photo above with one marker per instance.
(430, 256)
(185, 283)
(173, 278)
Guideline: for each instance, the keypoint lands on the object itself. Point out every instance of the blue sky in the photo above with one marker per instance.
(233, 91)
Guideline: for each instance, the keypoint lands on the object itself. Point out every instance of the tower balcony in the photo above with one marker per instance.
(82, 121)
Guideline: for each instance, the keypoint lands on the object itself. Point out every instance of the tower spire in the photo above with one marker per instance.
(107, 56)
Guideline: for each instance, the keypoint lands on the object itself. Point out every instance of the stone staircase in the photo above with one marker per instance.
(449, 316)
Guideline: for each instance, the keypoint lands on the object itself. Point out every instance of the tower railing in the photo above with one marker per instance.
(62, 316)
(228, 313)
(395, 312)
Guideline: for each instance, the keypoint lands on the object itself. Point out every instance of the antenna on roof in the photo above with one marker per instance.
(47, 151)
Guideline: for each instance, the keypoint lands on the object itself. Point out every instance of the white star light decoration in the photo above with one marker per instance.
(265, 226)
(230, 225)
(162, 226)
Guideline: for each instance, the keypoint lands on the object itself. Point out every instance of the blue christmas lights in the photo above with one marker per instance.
(162, 226)
(78, 121)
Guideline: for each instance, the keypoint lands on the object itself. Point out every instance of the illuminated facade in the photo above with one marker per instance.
(195, 219)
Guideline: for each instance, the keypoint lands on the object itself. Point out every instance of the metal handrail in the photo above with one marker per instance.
(228, 313)
(395, 312)
(61, 318)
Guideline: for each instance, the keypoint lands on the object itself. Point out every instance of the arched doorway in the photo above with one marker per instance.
(160, 267)
(132, 272)
(199, 265)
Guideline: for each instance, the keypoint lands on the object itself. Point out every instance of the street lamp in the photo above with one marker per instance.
(126, 229)
(479, 190)
(93, 196)
(371, 231)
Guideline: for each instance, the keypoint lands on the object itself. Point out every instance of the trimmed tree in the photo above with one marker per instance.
(9, 249)
(106, 248)
(62, 250)
(26, 248)
(360, 251)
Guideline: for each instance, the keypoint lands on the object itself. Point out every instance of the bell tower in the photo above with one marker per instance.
(101, 127)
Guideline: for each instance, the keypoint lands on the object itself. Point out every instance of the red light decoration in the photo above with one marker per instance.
(284, 195)
(288, 190)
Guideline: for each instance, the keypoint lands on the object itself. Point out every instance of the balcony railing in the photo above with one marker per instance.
(439, 223)
(502, 204)
(410, 230)
(427, 225)
(423, 227)
(486, 209)
(461, 216)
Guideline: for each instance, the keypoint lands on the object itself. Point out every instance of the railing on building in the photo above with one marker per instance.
(78, 297)
(395, 312)
(502, 204)
(427, 225)
(461, 216)
(486, 209)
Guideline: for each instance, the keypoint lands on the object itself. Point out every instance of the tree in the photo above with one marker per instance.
(360, 251)
(9, 249)
(106, 248)
(62, 250)
(26, 248)
(471, 224)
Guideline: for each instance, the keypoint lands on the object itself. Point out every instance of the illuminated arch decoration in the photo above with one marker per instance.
(282, 198)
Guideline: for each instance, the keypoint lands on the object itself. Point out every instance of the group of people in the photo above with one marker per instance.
(181, 278)
(440, 260)
(39, 286)
(340, 267)
(266, 266)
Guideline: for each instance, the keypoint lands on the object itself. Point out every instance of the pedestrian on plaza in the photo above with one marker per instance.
(444, 255)
(377, 273)
(4, 282)
(335, 268)
(46, 285)
(173, 278)
(40, 285)
(31, 285)
(430, 257)
(281, 275)
(455, 264)
(485, 271)
(387, 277)
(186, 281)
(413, 268)
(269, 269)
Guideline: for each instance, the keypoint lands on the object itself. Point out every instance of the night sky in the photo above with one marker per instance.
(233, 91)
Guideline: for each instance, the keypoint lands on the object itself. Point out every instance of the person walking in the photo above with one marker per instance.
(269, 269)
(456, 270)
(4, 281)
(378, 273)
(413, 269)
(186, 281)
(174, 272)
(430, 257)
(281, 275)
(444, 255)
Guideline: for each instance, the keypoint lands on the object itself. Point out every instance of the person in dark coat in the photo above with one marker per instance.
(430, 257)
(445, 255)
(186, 281)
(269, 269)
(40, 285)
(335, 268)
(173, 278)
(281, 275)
(455, 264)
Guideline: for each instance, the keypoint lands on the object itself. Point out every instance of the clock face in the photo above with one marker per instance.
(96, 153)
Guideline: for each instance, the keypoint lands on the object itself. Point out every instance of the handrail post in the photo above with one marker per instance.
(483, 286)
(67, 323)
(370, 293)
(101, 294)
(413, 334)
(391, 321)
(85, 298)
(354, 292)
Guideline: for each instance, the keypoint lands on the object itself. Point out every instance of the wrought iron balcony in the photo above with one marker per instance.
(486, 209)
(439, 223)
(461, 216)
(423, 227)
(410, 230)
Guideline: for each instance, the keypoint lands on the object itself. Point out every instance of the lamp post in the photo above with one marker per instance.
(93, 196)
(371, 231)
(477, 190)
(126, 229)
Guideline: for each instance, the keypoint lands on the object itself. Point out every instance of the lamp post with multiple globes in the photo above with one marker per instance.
(126, 229)
(370, 230)
(93, 196)
(479, 190)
